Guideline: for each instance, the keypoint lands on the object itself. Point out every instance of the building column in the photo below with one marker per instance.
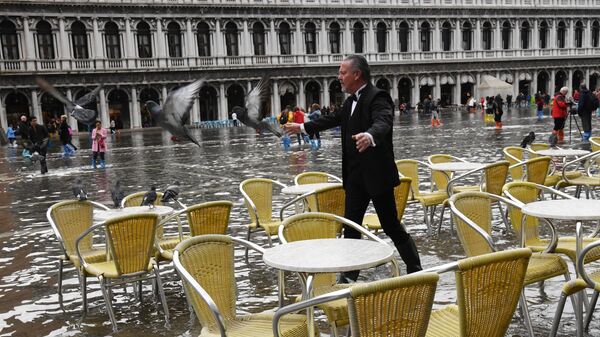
(516, 42)
(273, 45)
(587, 35)
(477, 36)
(437, 91)
(323, 38)
(195, 117)
(276, 100)
(347, 48)
(218, 38)
(301, 95)
(36, 106)
(476, 86)
(456, 90)
(586, 80)
(534, 83)
(570, 83)
(3, 119)
(552, 42)
(104, 118)
(28, 38)
(63, 41)
(98, 54)
(516, 83)
(189, 37)
(393, 38)
(415, 36)
(552, 84)
(571, 34)
(161, 51)
(457, 37)
(129, 40)
(136, 115)
(415, 91)
(222, 102)
(370, 38)
(437, 41)
(71, 120)
(298, 37)
(498, 37)
(395, 97)
(535, 35)
(247, 44)
(326, 99)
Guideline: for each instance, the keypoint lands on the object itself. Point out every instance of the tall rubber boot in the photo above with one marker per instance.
(437, 122)
(102, 164)
(93, 164)
(561, 135)
(586, 136)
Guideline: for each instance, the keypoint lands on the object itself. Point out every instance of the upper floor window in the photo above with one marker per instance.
(358, 37)
(334, 38)
(578, 34)
(506, 35)
(310, 38)
(561, 35)
(467, 36)
(9, 40)
(144, 40)
(174, 39)
(446, 36)
(525, 34)
(258, 38)
(381, 37)
(285, 39)
(486, 35)
(203, 39)
(79, 40)
(112, 40)
(45, 40)
(231, 39)
(425, 36)
(544, 31)
(595, 34)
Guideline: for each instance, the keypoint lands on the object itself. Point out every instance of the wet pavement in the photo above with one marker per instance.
(28, 262)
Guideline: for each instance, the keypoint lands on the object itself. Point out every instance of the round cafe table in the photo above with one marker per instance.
(112, 213)
(456, 166)
(567, 209)
(310, 257)
(306, 188)
(562, 152)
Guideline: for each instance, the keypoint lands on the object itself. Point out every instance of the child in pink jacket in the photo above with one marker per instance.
(98, 144)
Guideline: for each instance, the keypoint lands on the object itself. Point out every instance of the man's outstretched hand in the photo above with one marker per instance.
(363, 141)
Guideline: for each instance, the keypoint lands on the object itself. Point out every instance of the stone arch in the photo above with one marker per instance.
(17, 104)
(384, 84)
(52, 108)
(312, 92)
(209, 103)
(118, 108)
(148, 94)
(235, 96)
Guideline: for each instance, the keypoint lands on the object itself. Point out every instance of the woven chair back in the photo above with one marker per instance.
(516, 173)
(331, 200)
(398, 306)
(401, 195)
(260, 191)
(210, 261)
(495, 177)
(537, 169)
(489, 288)
(476, 207)
(537, 147)
(311, 178)
(209, 218)
(135, 199)
(72, 218)
(410, 168)
(595, 143)
(524, 192)
(439, 178)
(131, 240)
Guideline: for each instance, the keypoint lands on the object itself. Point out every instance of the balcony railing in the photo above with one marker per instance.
(143, 64)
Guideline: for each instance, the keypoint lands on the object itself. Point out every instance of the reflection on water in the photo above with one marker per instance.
(28, 263)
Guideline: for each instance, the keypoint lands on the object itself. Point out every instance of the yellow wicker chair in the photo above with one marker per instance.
(258, 197)
(533, 148)
(206, 218)
(515, 155)
(399, 306)
(135, 199)
(428, 200)
(439, 179)
(536, 171)
(316, 225)
(493, 177)
(69, 219)
(131, 242)
(401, 195)
(523, 193)
(314, 178)
(206, 266)
(473, 218)
(331, 199)
(488, 289)
(588, 181)
(595, 143)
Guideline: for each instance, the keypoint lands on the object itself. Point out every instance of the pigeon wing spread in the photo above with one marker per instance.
(89, 97)
(180, 101)
(47, 87)
(257, 101)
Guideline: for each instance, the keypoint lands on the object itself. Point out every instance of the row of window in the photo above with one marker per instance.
(79, 38)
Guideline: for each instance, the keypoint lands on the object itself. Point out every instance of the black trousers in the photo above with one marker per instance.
(42, 152)
(357, 201)
(586, 121)
(559, 124)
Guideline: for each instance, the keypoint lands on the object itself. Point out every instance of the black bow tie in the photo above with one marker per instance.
(353, 97)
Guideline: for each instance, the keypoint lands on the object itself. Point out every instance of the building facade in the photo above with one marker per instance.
(140, 50)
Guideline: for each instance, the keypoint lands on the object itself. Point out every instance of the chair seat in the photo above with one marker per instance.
(567, 246)
(108, 269)
(544, 266)
(168, 244)
(551, 180)
(473, 188)
(91, 256)
(261, 325)
(444, 322)
(371, 221)
(583, 180)
(271, 227)
(432, 198)
(336, 311)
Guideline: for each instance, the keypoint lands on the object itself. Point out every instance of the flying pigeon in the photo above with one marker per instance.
(171, 193)
(553, 140)
(175, 113)
(83, 115)
(528, 139)
(149, 198)
(257, 108)
(117, 194)
(79, 190)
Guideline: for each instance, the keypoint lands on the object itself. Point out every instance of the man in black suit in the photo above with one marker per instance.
(368, 168)
(38, 135)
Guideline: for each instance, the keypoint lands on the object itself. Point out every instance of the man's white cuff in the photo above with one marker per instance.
(302, 128)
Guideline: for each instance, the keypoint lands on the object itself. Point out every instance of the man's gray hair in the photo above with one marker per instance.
(359, 63)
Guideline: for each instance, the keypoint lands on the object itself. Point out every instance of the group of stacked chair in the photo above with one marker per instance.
(400, 306)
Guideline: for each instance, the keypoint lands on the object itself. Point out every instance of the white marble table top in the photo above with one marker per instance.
(112, 213)
(564, 209)
(328, 255)
(456, 166)
(562, 152)
(301, 189)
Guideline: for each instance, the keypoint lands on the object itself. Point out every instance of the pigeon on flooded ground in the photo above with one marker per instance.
(117, 194)
(149, 197)
(257, 108)
(528, 140)
(553, 140)
(77, 110)
(175, 113)
(79, 190)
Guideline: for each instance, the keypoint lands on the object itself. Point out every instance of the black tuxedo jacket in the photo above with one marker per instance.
(373, 114)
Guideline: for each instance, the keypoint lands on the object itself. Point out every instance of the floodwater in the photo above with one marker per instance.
(28, 262)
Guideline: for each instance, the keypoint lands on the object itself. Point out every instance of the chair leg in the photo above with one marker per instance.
(60, 277)
(269, 239)
(590, 310)
(139, 289)
(247, 239)
(161, 291)
(107, 299)
(558, 314)
(439, 230)
(504, 217)
(525, 309)
(83, 282)
(281, 286)
(333, 328)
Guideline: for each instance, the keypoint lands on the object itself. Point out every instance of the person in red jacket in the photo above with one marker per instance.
(299, 118)
(560, 112)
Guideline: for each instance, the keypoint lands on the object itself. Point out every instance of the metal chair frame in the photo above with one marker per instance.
(324, 174)
(589, 162)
